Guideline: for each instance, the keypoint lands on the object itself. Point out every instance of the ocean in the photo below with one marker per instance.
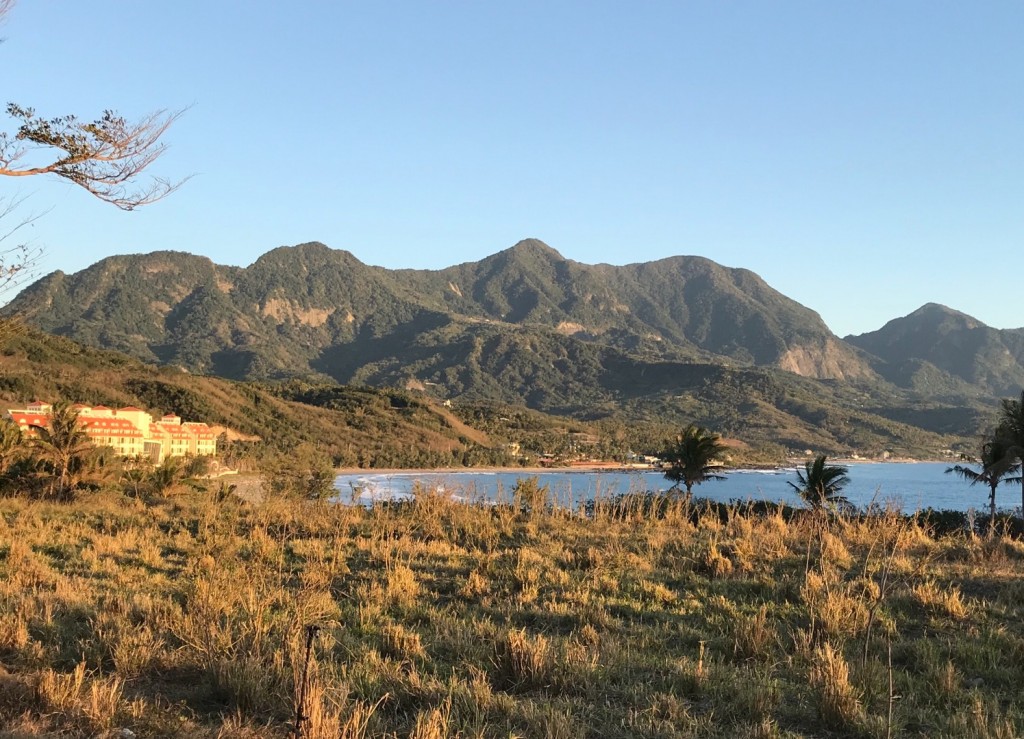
(910, 486)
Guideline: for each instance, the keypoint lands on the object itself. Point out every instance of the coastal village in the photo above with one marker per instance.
(129, 431)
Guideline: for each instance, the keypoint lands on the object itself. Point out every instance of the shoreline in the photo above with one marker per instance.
(793, 463)
(486, 470)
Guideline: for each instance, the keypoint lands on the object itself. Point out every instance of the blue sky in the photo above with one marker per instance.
(864, 158)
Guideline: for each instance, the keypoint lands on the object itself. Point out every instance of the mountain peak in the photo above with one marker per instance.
(937, 317)
(312, 253)
(313, 301)
(934, 310)
(957, 344)
(533, 247)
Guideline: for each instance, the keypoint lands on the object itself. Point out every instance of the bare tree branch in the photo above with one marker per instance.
(5, 7)
(106, 157)
(17, 265)
(17, 262)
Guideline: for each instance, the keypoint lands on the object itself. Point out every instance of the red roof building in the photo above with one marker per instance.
(129, 431)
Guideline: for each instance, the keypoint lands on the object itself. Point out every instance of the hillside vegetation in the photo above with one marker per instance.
(309, 307)
(671, 342)
(355, 426)
(771, 411)
(945, 353)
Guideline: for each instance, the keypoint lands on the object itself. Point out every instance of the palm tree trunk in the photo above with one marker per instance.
(992, 512)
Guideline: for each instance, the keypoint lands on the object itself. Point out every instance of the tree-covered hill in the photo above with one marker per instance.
(674, 341)
(355, 425)
(309, 308)
(770, 410)
(946, 353)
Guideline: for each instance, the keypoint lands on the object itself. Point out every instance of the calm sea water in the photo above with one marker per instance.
(911, 486)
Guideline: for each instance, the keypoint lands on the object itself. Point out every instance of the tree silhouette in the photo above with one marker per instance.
(1009, 434)
(996, 467)
(106, 157)
(821, 484)
(693, 457)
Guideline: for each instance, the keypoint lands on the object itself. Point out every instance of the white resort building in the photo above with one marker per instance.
(130, 431)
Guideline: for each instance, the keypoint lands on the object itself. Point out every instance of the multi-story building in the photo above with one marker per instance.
(129, 431)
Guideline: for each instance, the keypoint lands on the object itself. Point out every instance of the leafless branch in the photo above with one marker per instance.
(17, 263)
(5, 7)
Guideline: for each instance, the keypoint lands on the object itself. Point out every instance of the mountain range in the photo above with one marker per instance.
(678, 338)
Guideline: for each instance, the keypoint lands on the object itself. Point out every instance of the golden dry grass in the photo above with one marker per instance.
(187, 618)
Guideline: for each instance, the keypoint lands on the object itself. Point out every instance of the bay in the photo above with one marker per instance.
(910, 486)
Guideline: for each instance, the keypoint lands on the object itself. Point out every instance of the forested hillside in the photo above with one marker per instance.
(668, 342)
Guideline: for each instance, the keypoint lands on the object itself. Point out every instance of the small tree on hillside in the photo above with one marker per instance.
(693, 457)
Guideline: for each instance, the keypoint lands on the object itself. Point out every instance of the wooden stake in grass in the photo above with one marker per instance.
(300, 704)
(892, 695)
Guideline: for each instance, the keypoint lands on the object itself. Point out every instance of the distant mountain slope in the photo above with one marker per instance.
(357, 426)
(644, 400)
(682, 306)
(134, 304)
(947, 353)
(309, 308)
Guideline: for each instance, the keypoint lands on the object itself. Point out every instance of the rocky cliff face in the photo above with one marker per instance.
(831, 360)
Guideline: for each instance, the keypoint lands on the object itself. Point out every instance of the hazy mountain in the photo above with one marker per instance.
(944, 352)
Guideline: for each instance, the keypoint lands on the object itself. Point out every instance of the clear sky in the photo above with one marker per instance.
(864, 158)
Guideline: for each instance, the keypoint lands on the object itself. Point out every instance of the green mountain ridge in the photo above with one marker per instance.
(947, 353)
(771, 409)
(282, 314)
(355, 425)
(679, 339)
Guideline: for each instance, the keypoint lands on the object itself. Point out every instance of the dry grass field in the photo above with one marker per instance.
(189, 617)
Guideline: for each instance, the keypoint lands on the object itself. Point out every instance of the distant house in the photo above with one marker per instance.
(129, 431)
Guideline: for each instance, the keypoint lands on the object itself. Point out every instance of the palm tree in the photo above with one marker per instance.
(821, 484)
(996, 467)
(10, 445)
(1010, 434)
(65, 449)
(694, 457)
